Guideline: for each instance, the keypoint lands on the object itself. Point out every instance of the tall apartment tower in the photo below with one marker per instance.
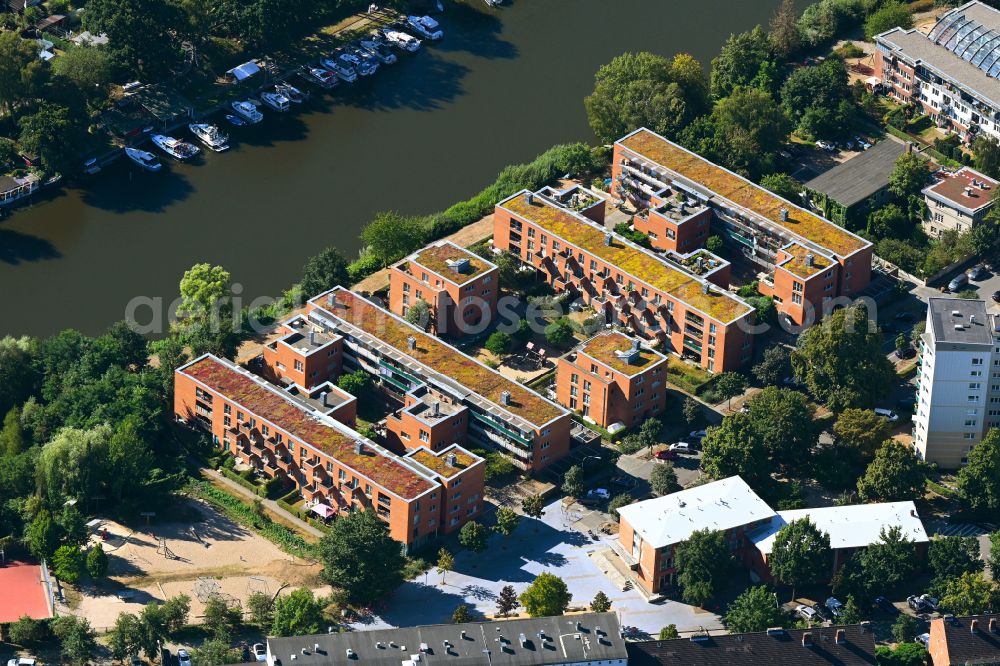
(958, 386)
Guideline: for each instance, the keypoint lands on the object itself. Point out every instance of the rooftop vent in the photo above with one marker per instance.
(523, 639)
(463, 634)
(630, 355)
(350, 653)
(974, 627)
(807, 639)
(810, 260)
(379, 645)
(359, 447)
(530, 198)
(959, 327)
(579, 626)
(784, 215)
(424, 647)
(505, 398)
(322, 399)
(460, 265)
(972, 319)
(840, 637)
(775, 631)
(968, 191)
(435, 408)
(446, 644)
(607, 239)
(993, 625)
(331, 299)
(312, 337)
(704, 287)
(452, 460)
(411, 343)
(866, 627)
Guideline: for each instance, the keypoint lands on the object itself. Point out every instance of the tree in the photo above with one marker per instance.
(42, 536)
(714, 244)
(127, 637)
(909, 175)
(20, 361)
(889, 16)
(363, 579)
(88, 67)
(356, 383)
(820, 87)
(968, 594)
(841, 360)
(890, 560)
(756, 609)
(445, 563)
(215, 652)
(782, 419)
(419, 314)
(323, 272)
(773, 367)
(649, 432)
(951, 556)
(987, 155)
(559, 333)
(979, 480)
(473, 536)
(546, 596)
(601, 603)
(221, 619)
(27, 631)
(646, 90)
(905, 628)
(461, 614)
(801, 554)
(573, 481)
(67, 563)
(205, 294)
(784, 30)
(533, 506)
(994, 560)
(72, 527)
(507, 601)
(729, 385)
(668, 632)
(733, 449)
(260, 609)
(691, 411)
(174, 613)
(703, 561)
(140, 33)
(498, 343)
(297, 614)
(663, 479)
(12, 440)
(507, 520)
(390, 237)
(740, 61)
(860, 431)
(20, 71)
(785, 187)
(889, 221)
(906, 654)
(73, 463)
(77, 642)
(617, 502)
(55, 133)
(894, 475)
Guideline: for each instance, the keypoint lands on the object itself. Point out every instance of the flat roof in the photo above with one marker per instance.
(437, 462)
(439, 357)
(742, 193)
(854, 526)
(441, 257)
(325, 434)
(951, 187)
(943, 319)
(627, 257)
(603, 347)
(861, 176)
(579, 638)
(719, 505)
(798, 261)
(24, 590)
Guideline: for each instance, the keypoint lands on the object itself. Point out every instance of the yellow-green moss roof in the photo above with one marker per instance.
(643, 266)
(438, 462)
(797, 264)
(603, 347)
(742, 192)
(436, 258)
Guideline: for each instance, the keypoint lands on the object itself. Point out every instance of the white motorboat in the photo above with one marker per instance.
(425, 26)
(144, 159)
(180, 150)
(402, 41)
(248, 111)
(379, 50)
(323, 77)
(341, 68)
(210, 136)
(294, 95)
(276, 101)
(366, 64)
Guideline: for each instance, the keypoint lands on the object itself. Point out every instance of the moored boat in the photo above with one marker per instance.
(276, 101)
(379, 49)
(210, 135)
(402, 41)
(294, 95)
(425, 26)
(322, 77)
(235, 121)
(247, 111)
(144, 159)
(180, 150)
(341, 68)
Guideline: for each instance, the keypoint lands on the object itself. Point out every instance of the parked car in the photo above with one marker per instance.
(826, 145)
(886, 605)
(887, 413)
(697, 434)
(924, 639)
(918, 604)
(668, 454)
(807, 613)
(21, 661)
(932, 602)
(978, 273)
(996, 296)
(905, 352)
(835, 606)
(602, 493)
(183, 658)
(958, 282)
(681, 447)
(260, 651)
(862, 143)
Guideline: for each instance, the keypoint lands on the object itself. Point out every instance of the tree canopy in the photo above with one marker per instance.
(141, 33)
(703, 561)
(979, 480)
(860, 432)
(756, 609)
(363, 579)
(782, 419)
(801, 554)
(893, 475)
(546, 596)
(909, 175)
(324, 271)
(740, 62)
(890, 15)
(732, 448)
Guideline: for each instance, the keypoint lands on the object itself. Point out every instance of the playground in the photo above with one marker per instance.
(210, 557)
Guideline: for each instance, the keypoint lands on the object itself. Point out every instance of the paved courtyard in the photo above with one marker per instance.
(550, 544)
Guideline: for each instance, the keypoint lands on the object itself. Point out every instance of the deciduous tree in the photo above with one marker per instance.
(473, 536)
(390, 236)
(703, 561)
(20, 71)
(363, 579)
(445, 563)
(951, 556)
(782, 419)
(784, 29)
(77, 642)
(533, 506)
(909, 175)
(297, 614)
(507, 520)
(979, 480)
(756, 609)
(546, 596)
(890, 15)
(740, 61)
(663, 479)
(860, 431)
(507, 601)
(141, 33)
(801, 554)
(323, 272)
(894, 475)
(968, 594)
(55, 133)
(498, 343)
(573, 481)
(732, 448)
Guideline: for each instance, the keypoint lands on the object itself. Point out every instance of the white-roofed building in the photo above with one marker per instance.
(649, 530)
(850, 528)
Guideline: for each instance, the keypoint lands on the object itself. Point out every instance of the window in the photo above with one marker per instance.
(227, 409)
(299, 365)
(574, 379)
(424, 436)
(797, 299)
(572, 403)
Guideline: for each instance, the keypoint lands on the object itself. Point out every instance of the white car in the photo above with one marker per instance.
(807, 613)
(887, 413)
(260, 651)
(924, 639)
(681, 447)
(21, 661)
(826, 145)
(183, 658)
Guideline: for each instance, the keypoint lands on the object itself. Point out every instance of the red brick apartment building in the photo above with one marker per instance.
(612, 379)
(290, 434)
(444, 396)
(628, 284)
(460, 287)
(805, 260)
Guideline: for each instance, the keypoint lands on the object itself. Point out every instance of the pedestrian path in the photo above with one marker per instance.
(271, 505)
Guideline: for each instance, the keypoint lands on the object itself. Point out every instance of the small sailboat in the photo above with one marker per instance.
(144, 159)
(180, 150)
(247, 110)
(210, 136)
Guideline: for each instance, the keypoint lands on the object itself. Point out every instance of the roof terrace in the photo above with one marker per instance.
(627, 257)
(304, 337)
(323, 433)
(678, 206)
(742, 193)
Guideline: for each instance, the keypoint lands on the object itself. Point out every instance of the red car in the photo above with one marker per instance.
(665, 455)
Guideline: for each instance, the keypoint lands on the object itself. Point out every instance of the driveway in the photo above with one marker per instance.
(551, 544)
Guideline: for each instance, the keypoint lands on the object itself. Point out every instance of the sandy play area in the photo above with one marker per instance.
(213, 556)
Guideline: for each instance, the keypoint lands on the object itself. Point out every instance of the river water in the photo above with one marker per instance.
(501, 87)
